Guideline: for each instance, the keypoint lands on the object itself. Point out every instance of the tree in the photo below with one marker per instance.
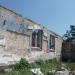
(70, 34)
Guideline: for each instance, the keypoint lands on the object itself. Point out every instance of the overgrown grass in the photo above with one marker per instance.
(51, 64)
(20, 68)
(70, 66)
(17, 73)
(23, 67)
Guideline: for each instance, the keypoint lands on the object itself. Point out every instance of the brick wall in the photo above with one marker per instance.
(16, 43)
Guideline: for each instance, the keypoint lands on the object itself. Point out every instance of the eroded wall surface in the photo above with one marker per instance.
(16, 37)
(16, 43)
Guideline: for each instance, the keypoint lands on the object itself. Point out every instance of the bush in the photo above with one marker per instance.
(22, 64)
(40, 62)
(2, 70)
(34, 65)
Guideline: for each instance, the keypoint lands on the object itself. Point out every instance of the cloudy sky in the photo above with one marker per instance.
(56, 15)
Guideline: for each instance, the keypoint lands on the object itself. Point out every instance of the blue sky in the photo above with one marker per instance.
(56, 15)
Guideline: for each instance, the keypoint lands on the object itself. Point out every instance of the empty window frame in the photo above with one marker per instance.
(52, 42)
(37, 36)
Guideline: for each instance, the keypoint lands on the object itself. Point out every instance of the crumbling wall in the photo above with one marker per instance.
(20, 44)
(16, 43)
(58, 47)
(16, 39)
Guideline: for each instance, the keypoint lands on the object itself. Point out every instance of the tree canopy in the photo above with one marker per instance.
(70, 34)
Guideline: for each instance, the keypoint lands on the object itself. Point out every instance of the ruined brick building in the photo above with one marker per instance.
(22, 37)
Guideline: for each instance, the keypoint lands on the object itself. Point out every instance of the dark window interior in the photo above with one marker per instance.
(52, 42)
(4, 22)
(37, 36)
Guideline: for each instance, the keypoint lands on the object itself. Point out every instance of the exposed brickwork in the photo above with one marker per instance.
(20, 44)
(16, 43)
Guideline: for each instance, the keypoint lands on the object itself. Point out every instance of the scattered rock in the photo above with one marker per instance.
(36, 71)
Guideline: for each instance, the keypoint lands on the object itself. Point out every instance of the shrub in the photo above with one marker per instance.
(22, 64)
(40, 62)
(2, 70)
(34, 65)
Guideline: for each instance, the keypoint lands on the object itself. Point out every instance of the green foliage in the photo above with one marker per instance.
(70, 66)
(34, 65)
(59, 65)
(70, 34)
(40, 62)
(23, 64)
(51, 60)
(2, 70)
(23, 67)
(22, 72)
(50, 64)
